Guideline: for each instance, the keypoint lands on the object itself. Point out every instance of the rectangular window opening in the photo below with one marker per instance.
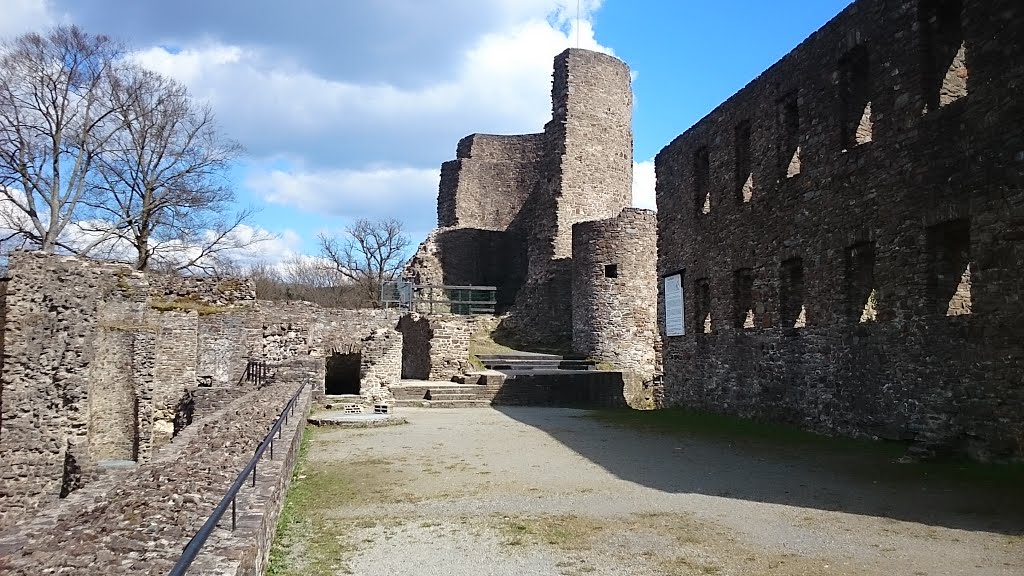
(702, 289)
(943, 52)
(949, 256)
(744, 172)
(611, 270)
(702, 180)
(861, 299)
(743, 298)
(855, 97)
(789, 142)
(792, 311)
(674, 305)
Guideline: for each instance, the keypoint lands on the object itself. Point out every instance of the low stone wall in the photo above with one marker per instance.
(137, 522)
(584, 390)
(207, 401)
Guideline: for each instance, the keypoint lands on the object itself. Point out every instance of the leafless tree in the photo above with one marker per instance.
(371, 252)
(99, 156)
(161, 182)
(56, 116)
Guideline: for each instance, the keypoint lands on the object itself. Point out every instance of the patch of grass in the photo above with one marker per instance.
(564, 532)
(877, 460)
(309, 540)
(186, 304)
(716, 426)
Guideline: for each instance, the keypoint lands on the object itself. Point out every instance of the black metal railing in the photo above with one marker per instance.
(188, 555)
(257, 372)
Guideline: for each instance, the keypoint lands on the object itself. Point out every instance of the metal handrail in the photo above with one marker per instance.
(191, 550)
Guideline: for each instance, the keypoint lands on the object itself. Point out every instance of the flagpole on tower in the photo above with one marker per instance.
(577, 23)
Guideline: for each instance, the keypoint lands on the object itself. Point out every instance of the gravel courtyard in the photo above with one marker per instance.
(550, 491)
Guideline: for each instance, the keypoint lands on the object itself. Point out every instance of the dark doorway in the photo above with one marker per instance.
(342, 373)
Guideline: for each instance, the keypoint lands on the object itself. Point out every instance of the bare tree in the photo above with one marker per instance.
(370, 253)
(161, 181)
(56, 116)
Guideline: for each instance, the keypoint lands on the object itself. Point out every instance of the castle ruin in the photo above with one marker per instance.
(546, 219)
(840, 243)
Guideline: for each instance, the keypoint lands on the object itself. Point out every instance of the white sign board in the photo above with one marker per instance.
(674, 325)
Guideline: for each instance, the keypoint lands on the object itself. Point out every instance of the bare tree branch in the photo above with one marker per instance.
(56, 116)
(371, 252)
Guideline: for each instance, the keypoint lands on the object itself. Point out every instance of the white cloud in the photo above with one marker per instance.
(364, 100)
(643, 185)
(20, 16)
(501, 83)
(350, 193)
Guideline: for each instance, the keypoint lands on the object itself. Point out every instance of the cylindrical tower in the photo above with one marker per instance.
(615, 290)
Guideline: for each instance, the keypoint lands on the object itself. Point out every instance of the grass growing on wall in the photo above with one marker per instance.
(184, 304)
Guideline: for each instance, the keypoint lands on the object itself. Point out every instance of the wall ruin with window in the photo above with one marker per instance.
(871, 283)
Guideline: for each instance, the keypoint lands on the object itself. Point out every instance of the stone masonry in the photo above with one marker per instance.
(103, 363)
(507, 207)
(615, 291)
(849, 233)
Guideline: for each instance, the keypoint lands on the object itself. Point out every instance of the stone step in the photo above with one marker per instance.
(443, 403)
(452, 396)
(522, 356)
(500, 365)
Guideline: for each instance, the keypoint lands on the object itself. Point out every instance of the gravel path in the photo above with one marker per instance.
(547, 491)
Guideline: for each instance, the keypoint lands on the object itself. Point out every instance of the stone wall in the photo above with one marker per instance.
(579, 169)
(615, 291)
(848, 230)
(470, 256)
(99, 364)
(292, 329)
(138, 521)
(380, 364)
(436, 347)
(226, 342)
(488, 183)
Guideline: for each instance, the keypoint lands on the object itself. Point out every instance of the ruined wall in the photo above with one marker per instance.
(293, 329)
(588, 172)
(848, 229)
(589, 149)
(139, 521)
(488, 183)
(614, 290)
(507, 204)
(50, 342)
(380, 364)
(436, 346)
(470, 256)
(99, 365)
(226, 342)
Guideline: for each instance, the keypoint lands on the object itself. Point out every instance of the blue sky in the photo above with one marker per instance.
(347, 109)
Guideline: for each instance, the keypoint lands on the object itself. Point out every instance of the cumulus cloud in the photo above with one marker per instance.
(643, 185)
(350, 193)
(20, 16)
(364, 99)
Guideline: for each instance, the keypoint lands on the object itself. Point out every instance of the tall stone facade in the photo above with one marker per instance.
(848, 233)
(507, 205)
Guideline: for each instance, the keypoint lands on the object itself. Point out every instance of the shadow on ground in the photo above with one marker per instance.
(823, 475)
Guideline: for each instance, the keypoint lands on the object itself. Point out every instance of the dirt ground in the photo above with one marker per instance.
(550, 491)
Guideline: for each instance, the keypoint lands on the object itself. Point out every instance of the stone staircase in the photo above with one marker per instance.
(528, 361)
(517, 379)
(445, 394)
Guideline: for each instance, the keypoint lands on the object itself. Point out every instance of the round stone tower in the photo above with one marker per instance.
(615, 290)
